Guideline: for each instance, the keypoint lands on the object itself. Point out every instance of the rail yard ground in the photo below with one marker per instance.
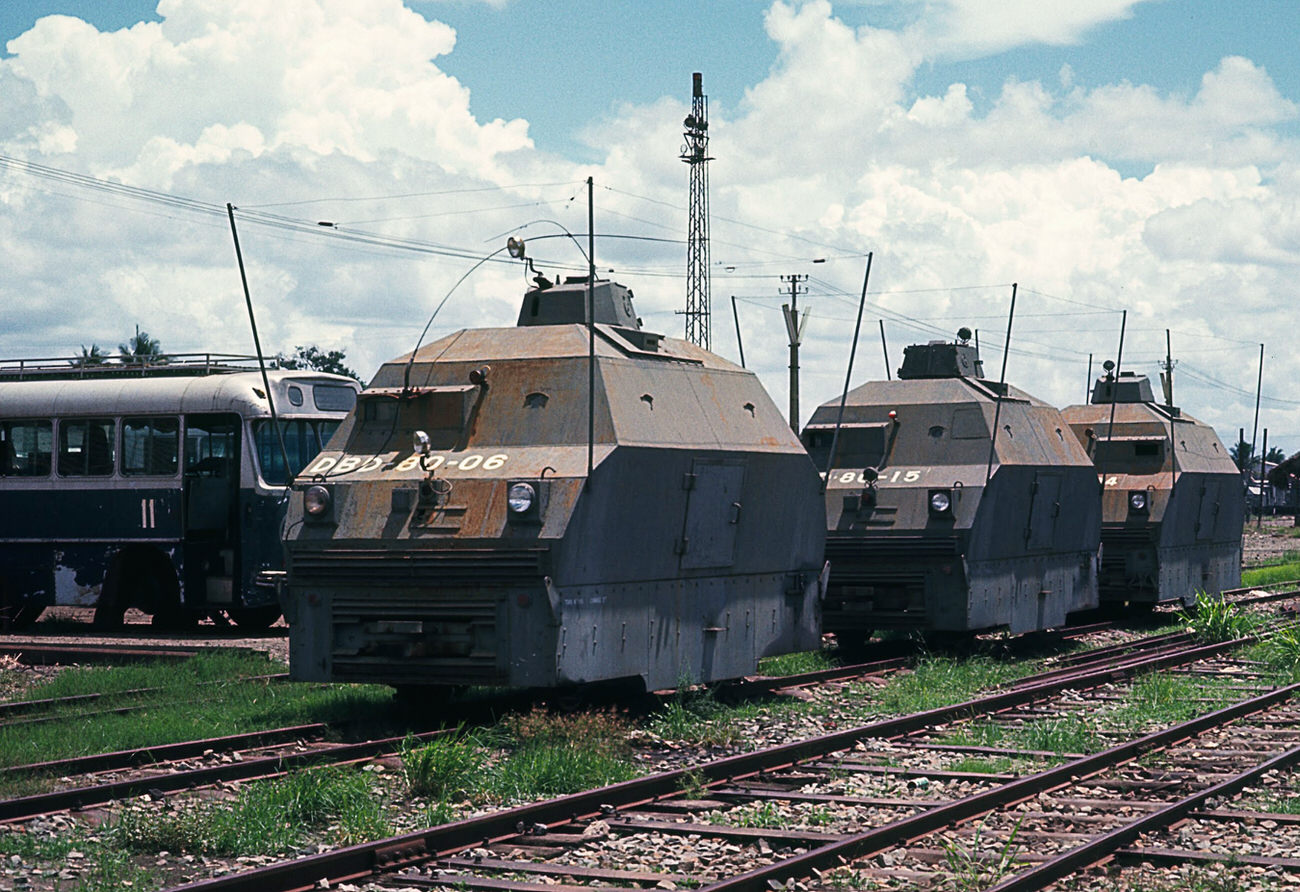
(168, 835)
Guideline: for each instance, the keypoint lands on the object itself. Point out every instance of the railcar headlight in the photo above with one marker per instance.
(420, 443)
(1137, 500)
(316, 500)
(521, 497)
(940, 501)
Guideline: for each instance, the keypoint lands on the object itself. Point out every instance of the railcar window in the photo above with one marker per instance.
(26, 448)
(302, 441)
(860, 446)
(86, 447)
(211, 446)
(150, 446)
(295, 394)
(327, 429)
(333, 397)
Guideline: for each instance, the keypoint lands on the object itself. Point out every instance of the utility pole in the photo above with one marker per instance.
(695, 152)
(794, 326)
(1167, 375)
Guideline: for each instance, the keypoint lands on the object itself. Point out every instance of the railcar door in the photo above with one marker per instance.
(712, 514)
(211, 508)
(1207, 520)
(1045, 507)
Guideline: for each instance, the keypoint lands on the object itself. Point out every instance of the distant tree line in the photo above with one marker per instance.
(141, 348)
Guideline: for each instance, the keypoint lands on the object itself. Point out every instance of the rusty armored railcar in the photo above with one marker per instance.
(933, 527)
(1172, 507)
(453, 535)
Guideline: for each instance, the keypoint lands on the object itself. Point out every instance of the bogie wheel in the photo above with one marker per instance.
(254, 619)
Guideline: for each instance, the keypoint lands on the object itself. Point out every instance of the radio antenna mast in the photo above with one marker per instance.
(695, 152)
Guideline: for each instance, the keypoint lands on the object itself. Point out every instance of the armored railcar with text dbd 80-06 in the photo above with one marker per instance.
(934, 524)
(453, 534)
(1172, 508)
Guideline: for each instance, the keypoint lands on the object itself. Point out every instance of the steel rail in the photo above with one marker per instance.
(364, 860)
(270, 766)
(1090, 853)
(927, 822)
(168, 751)
(55, 654)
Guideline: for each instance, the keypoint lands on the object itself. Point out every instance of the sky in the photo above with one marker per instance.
(1106, 156)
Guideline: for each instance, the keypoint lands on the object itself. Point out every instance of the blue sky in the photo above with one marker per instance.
(1104, 154)
(513, 56)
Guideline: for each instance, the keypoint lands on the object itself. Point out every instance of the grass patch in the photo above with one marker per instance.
(552, 755)
(1159, 699)
(694, 716)
(206, 696)
(446, 767)
(268, 818)
(1062, 734)
(977, 765)
(942, 681)
(797, 664)
(1287, 571)
(760, 815)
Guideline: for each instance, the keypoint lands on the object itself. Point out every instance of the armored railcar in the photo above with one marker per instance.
(1172, 508)
(484, 517)
(937, 525)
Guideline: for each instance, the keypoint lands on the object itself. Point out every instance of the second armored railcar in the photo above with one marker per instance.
(1172, 508)
(918, 539)
(489, 555)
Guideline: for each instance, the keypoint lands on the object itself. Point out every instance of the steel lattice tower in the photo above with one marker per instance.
(695, 152)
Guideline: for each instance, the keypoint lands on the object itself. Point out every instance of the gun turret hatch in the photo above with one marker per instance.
(1130, 387)
(939, 359)
(567, 303)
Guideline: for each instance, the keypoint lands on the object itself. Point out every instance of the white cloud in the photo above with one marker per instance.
(261, 105)
(969, 27)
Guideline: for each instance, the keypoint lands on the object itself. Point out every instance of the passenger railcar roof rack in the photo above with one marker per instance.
(162, 365)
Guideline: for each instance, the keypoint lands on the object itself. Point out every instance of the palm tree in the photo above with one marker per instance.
(141, 348)
(89, 357)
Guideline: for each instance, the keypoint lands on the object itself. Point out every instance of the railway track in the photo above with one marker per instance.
(660, 804)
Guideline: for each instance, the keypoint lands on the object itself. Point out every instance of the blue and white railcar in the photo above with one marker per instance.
(157, 486)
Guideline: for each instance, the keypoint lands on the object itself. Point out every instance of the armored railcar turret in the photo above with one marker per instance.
(918, 539)
(488, 555)
(1172, 509)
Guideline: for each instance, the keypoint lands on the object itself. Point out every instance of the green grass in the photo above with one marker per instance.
(552, 755)
(267, 818)
(446, 767)
(977, 765)
(1287, 571)
(760, 815)
(695, 716)
(942, 681)
(1063, 734)
(798, 663)
(186, 707)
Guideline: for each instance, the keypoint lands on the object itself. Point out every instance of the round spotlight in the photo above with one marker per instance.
(316, 500)
(420, 443)
(521, 497)
(1137, 501)
(940, 502)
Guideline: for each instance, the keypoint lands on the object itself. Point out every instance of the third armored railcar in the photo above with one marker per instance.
(1172, 507)
(489, 555)
(927, 529)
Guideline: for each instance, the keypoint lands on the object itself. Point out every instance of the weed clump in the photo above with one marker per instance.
(1213, 620)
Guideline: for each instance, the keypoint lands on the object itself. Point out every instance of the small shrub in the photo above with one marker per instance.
(1213, 620)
